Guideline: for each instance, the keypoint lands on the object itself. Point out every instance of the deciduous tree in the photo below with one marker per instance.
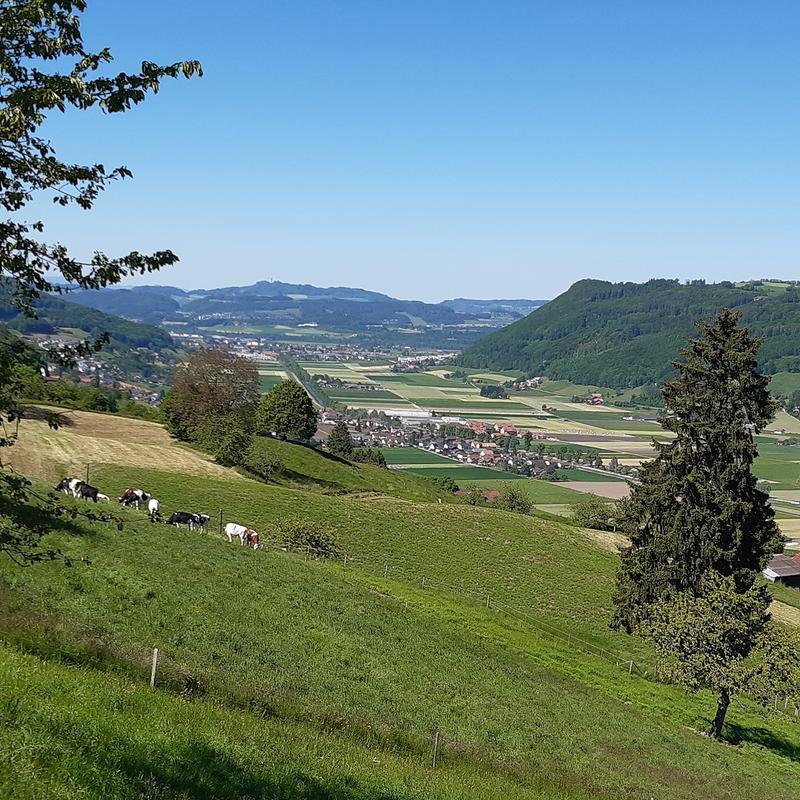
(287, 411)
(721, 639)
(211, 392)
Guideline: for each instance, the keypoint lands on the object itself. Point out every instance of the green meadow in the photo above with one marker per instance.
(281, 677)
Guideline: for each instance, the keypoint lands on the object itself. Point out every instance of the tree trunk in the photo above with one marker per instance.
(723, 701)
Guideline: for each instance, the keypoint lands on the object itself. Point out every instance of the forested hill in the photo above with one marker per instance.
(626, 334)
(53, 315)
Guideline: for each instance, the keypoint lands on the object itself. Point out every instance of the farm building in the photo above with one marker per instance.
(783, 569)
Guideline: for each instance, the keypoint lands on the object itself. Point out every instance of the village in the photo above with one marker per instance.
(498, 445)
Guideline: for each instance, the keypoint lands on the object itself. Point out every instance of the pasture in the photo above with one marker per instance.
(358, 665)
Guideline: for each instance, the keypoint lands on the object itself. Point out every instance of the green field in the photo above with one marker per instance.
(362, 394)
(266, 382)
(416, 379)
(784, 383)
(286, 678)
(464, 472)
(413, 455)
(779, 464)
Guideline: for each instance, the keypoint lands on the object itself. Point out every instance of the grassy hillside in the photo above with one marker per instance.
(626, 334)
(287, 678)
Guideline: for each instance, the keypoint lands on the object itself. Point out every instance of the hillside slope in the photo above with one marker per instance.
(286, 678)
(626, 334)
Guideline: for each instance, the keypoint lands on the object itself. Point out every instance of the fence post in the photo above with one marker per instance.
(630, 667)
(345, 559)
(219, 526)
(87, 473)
(435, 749)
(423, 583)
(487, 601)
(153, 668)
(385, 570)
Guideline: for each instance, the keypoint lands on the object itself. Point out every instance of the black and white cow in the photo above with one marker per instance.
(68, 486)
(86, 492)
(78, 489)
(133, 497)
(178, 518)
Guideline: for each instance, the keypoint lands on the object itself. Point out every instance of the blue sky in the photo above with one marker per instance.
(437, 149)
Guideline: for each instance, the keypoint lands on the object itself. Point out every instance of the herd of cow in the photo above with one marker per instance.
(136, 498)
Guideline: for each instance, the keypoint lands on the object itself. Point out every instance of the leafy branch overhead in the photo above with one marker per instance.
(45, 68)
(35, 35)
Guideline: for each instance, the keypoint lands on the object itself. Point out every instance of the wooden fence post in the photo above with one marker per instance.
(487, 601)
(435, 749)
(385, 570)
(630, 667)
(219, 525)
(153, 668)
(87, 473)
(423, 583)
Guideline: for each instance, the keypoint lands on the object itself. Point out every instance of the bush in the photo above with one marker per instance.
(494, 391)
(227, 438)
(368, 455)
(512, 499)
(592, 511)
(263, 460)
(445, 483)
(305, 536)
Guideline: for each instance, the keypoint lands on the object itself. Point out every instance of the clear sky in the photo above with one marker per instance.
(432, 149)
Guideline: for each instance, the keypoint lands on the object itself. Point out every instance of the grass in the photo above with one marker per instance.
(311, 468)
(461, 404)
(362, 394)
(461, 472)
(416, 379)
(283, 678)
(413, 455)
(267, 382)
(318, 706)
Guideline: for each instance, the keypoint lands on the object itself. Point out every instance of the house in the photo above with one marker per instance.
(783, 569)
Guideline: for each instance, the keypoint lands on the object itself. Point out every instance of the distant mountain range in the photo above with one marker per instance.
(276, 302)
(628, 334)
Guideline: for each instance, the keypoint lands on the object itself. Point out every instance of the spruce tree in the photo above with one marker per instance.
(339, 441)
(698, 507)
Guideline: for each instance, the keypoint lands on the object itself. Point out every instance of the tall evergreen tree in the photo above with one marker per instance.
(339, 441)
(698, 507)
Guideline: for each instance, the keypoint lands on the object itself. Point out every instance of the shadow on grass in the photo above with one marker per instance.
(739, 734)
(194, 770)
(56, 419)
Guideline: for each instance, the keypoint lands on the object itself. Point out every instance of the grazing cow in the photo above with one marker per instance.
(202, 521)
(86, 492)
(68, 486)
(153, 507)
(252, 538)
(132, 497)
(245, 534)
(104, 497)
(179, 518)
(233, 529)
